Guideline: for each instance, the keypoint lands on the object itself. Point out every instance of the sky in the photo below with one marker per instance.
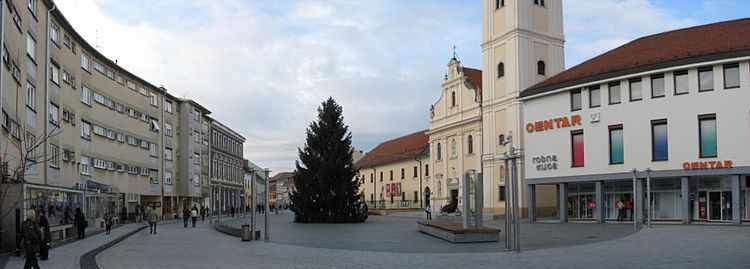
(264, 67)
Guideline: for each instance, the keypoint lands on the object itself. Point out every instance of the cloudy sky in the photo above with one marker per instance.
(263, 67)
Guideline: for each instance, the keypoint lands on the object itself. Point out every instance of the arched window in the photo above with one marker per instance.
(500, 70)
(439, 149)
(540, 68)
(470, 144)
(453, 98)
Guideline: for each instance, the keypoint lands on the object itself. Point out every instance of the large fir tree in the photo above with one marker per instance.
(325, 187)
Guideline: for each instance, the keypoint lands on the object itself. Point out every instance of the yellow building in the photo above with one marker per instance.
(393, 175)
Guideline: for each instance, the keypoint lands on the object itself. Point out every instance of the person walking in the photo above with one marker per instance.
(629, 208)
(194, 215)
(620, 210)
(80, 223)
(428, 210)
(31, 237)
(46, 238)
(108, 222)
(185, 216)
(153, 219)
(203, 213)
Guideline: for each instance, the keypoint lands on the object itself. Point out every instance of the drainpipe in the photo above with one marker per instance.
(421, 198)
(46, 92)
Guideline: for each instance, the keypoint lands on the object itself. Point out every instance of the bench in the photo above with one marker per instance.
(455, 233)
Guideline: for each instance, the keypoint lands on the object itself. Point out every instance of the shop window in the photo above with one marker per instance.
(576, 138)
(614, 93)
(731, 76)
(657, 86)
(707, 132)
(575, 100)
(636, 90)
(595, 97)
(705, 79)
(616, 149)
(681, 82)
(659, 140)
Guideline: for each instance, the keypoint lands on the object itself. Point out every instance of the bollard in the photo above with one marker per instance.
(245, 233)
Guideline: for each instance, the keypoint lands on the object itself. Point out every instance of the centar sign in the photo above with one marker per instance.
(560, 122)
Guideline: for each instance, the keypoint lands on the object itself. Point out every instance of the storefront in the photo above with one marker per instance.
(58, 203)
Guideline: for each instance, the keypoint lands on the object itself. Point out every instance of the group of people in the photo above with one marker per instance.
(193, 213)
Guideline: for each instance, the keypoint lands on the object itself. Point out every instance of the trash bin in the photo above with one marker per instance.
(245, 233)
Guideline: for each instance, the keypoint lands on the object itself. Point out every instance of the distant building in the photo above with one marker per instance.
(284, 182)
(253, 172)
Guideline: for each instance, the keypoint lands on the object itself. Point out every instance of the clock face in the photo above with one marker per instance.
(594, 117)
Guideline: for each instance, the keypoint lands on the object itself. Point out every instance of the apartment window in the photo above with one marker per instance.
(168, 154)
(30, 47)
(168, 106)
(657, 86)
(541, 68)
(111, 166)
(86, 130)
(196, 137)
(168, 129)
(705, 79)
(85, 62)
(616, 149)
(453, 99)
(439, 152)
(153, 100)
(575, 100)
(707, 133)
(55, 73)
(32, 6)
(614, 93)
(501, 193)
(636, 90)
(153, 176)
(85, 95)
(85, 165)
(155, 126)
(55, 156)
(659, 140)
(111, 134)
(55, 33)
(132, 169)
(168, 178)
(500, 70)
(54, 114)
(99, 163)
(595, 97)
(68, 155)
(731, 76)
(576, 138)
(681, 85)
(470, 144)
(31, 96)
(131, 85)
(197, 115)
(120, 138)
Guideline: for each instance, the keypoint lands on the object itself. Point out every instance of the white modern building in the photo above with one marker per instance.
(672, 108)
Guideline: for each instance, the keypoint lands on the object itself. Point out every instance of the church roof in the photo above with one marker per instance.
(405, 147)
(679, 47)
(474, 76)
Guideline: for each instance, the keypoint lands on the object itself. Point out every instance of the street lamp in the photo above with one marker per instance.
(265, 236)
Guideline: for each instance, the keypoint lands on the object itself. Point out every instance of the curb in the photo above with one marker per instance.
(88, 259)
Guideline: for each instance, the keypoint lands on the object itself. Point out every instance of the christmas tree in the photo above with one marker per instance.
(325, 187)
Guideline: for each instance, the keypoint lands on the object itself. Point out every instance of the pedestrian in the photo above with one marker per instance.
(203, 213)
(629, 208)
(108, 222)
(31, 237)
(194, 215)
(153, 219)
(185, 216)
(620, 210)
(80, 223)
(428, 210)
(46, 238)
(231, 211)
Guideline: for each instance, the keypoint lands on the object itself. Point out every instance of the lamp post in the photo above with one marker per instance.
(265, 226)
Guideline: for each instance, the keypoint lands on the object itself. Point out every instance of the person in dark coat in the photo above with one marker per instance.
(80, 223)
(185, 216)
(108, 222)
(31, 237)
(46, 236)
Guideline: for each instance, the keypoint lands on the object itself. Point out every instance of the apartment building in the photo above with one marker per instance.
(227, 176)
(79, 131)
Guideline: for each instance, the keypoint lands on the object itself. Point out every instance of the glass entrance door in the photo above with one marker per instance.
(719, 205)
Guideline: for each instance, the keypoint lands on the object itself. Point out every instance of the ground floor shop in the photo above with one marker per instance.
(687, 198)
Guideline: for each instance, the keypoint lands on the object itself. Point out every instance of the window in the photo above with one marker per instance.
(155, 126)
(705, 79)
(501, 193)
(616, 150)
(85, 62)
(111, 134)
(196, 137)
(54, 73)
(540, 68)
(153, 100)
(575, 100)
(614, 93)
(391, 178)
(499, 4)
(55, 158)
(168, 106)
(403, 175)
(131, 85)
(453, 147)
(636, 90)
(31, 96)
(132, 169)
(54, 114)
(69, 155)
(85, 165)
(69, 116)
(153, 176)
(168, 154)
(85, 95)
(99, 98)
(415, 172)
(55, 33)
(453, 99)
(657, 86)
(707, 133)
(439, 156)
(168, 129)
(381, 176)
(500, 70)
(30, 47)
(196, 180)
(86, 130)
(576, 138)
(152, 150)
(731, 76)
(120, 137)
(659, 140)
(99, 163)
(426, 169)
(470, 144)
(197, 115)
(168, 178)
(32, 6)
(681, 82)
(111, 166)
(100, 130)
(595, 97)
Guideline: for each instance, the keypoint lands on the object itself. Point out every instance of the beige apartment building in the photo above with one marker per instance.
(394, 174)
(79, 131)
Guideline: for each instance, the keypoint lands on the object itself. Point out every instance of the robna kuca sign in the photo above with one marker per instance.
(545, 162)
(561, 122)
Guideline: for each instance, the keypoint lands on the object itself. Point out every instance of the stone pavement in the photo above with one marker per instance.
(68, 256)
(665, 246)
